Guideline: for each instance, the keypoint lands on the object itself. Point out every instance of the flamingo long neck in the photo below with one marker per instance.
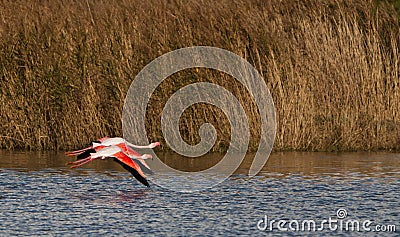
(137, 146)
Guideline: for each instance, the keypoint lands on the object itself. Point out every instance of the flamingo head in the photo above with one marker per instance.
(154, 144)
(147, 156)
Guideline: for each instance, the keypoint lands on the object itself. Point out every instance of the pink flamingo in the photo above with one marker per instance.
(106, 141)
(119, 156)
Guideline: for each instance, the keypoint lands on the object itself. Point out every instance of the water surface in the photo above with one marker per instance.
(40, 195)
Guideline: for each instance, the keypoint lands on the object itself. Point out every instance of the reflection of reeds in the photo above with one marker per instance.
(331, 66)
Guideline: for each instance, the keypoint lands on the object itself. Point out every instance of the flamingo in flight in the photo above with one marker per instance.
(106, 141)
(121, 151)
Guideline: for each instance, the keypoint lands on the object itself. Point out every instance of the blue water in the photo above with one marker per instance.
(44, 197)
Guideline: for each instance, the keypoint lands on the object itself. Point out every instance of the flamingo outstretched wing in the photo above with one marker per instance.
(88, 152)
(131, 166)
(143, 165)
(134, 172)
(85, 154)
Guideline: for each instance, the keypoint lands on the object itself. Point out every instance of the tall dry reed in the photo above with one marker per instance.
(332, 68)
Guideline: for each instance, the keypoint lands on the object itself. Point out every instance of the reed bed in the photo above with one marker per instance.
(332, 68)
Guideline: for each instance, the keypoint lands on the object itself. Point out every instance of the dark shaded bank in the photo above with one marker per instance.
(332, 68)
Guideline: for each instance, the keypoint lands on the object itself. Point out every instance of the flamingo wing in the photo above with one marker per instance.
(127, 150)
(131, 152)
(143, 165)
(131, 166)
(89, 152)
(85, 154)
(136, 157)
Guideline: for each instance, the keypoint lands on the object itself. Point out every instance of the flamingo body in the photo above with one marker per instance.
(120, 151)
(106, 141)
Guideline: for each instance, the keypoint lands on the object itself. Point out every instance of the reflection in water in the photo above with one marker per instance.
(39, 194)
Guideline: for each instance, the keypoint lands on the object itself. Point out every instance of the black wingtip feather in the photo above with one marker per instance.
(136, 174)
(85, 154)
(144, 168)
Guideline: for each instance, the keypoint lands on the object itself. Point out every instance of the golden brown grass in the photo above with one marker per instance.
(332, 68)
